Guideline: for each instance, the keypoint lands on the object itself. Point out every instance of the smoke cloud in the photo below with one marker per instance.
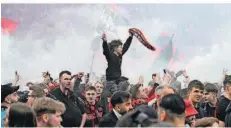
(60, 38)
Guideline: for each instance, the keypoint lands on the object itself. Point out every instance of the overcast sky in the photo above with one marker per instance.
(55, 37)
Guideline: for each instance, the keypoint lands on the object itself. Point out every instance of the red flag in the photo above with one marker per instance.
(140, 36)
(8, 26)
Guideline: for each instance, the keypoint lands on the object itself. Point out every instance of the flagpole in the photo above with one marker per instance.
(93, 56)
(91, 68)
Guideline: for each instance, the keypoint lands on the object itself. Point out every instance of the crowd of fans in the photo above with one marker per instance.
(112, 101)
(72, 103)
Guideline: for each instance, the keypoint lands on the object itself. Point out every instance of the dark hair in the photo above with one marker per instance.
(143, 115)
(88, 75)
(64, 72)
(209, 87)
(90, 88)
(114, 44)
(227, 80)
(188, 122)
(195, 84)
(150, 111)
(174, 103)
(23, 96)
(154, 85)
(119, 97)
(134, 90)
(28, 83)
(154, 75)
(21, 115)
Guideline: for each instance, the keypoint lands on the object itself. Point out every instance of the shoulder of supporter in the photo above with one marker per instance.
(81, 100)
(222, 106)
(105, 119)
(81, 105)
(55, 91)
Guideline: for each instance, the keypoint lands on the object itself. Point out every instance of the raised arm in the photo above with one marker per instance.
(77, 83)
(127, 44)
(16, 79)
(187, 78)
(106, 50)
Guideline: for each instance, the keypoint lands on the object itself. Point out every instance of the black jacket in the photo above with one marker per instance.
(79, 88)
(113, 71)
(221, 107)
(228, 115)
(72, 116)
(109, 120)
(200, 111)
(209, 111)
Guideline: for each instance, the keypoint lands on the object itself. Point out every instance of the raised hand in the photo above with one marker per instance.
(141, 80)
(225, 72)
(104, 37)
(166, 79)
(130, 33)
(44, 74)
(185, 73)
(80, 74)
(16, 77)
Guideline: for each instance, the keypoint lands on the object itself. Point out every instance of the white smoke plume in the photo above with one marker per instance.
(61, 40)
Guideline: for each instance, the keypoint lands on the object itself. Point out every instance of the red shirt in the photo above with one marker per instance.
(151, 97)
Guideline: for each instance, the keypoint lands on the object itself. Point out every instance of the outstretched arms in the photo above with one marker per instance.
(127, 43)
(106, 50)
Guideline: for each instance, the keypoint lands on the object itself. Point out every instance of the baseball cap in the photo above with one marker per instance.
(7, 90)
